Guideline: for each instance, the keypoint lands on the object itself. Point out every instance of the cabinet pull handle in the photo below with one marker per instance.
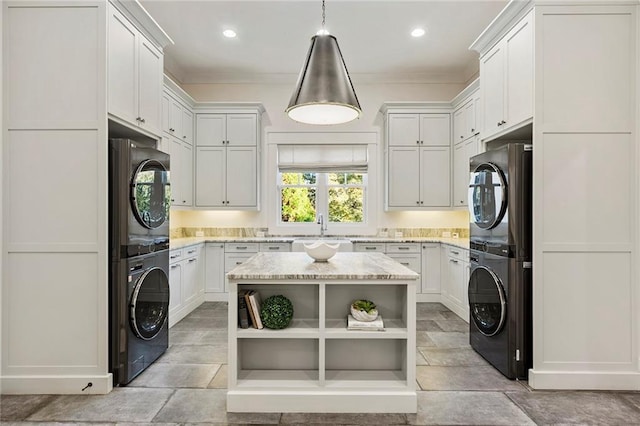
(142, 120)
(462, 137)
(502, 122)
(174, 266)
(174, 256)
(274, 248)
(455, 252)
(421, 202)
(192, 260)
(418, 142)
(241, 247)
(138, 118)
(421, 142)
(403, 248)
(184, 137)
(191, 251)
(238, 263)
(404, 263)
(417, 202)
(499, 123)
(453, 260)
(369, 248)
(473, 130)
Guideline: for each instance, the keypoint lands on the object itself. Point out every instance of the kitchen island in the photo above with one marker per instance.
(316, 364)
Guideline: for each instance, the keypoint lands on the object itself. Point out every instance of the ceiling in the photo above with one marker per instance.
(274, 36)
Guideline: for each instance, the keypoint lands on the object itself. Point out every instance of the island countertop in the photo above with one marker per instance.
(342, 266)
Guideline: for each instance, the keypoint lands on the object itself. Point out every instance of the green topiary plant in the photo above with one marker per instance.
(276, 312)
(364, 305)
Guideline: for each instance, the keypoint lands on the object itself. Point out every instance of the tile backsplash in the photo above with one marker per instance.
(253, 232)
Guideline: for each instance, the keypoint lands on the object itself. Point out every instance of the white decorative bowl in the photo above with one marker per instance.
(363, 315)
(321, 251)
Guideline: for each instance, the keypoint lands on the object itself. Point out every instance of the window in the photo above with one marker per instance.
(339, 196)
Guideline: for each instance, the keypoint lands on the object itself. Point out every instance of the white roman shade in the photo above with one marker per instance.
(322, 158)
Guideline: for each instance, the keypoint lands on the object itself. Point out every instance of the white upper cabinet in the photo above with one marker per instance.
(506, 71)
(227, 159)
(464, 122)
(418, 160)
(177, 119)
(227, 129)
(134, 75)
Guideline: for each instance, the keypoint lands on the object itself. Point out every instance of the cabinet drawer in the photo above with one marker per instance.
(403, 248)
(191, 251)
(369, 247)
(175, 255)
(241, 247)
(231, 260)
(458, 253)
(411, 261)
(275, 247)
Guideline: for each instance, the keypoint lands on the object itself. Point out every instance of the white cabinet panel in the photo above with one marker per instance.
(492, 75)
(403, 129)
(181, 171)
(175, 118)
(210, 176)
(123, 67)
(461, 154)
(187, 126)
(435, 129)
(150, 87)
(430, 268)
(214, 269)
(435, 180)
(175, 289)
(403, 177)
(191, 278)
(211, 129)
(49, 53)
(241, 177)
(242, 129)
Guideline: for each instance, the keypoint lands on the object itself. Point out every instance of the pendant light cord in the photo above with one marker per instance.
(323, 16)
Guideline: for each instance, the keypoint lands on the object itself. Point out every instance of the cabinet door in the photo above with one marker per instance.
(403, 188)
(459, 125)
(122, 67)
(190, 282)
(211, 129)
(435, 130)
(210, 176)
(519, 73)
(430, 282)
(241, 177)
(492, 75)
(166, 108)
(187, 126)
(242, 129)
(214, 268)
(175, 118)
(176, 165)
(460, 174)
(150, 86)
(456, 281)
(466, 267)
(175, 288)
(187, 174)
(435, 177)
(469, 120)
(403, 129)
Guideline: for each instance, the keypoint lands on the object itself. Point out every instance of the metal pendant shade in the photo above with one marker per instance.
(324, 93)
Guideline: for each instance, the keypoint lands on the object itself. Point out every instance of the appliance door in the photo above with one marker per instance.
(487, 300)
(150, 194)
(487, 196)
(149, 305)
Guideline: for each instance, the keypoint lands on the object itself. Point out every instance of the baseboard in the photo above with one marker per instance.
(428, 298)
(56, 385)
(584, 380)
(455, 308)
(216, 297)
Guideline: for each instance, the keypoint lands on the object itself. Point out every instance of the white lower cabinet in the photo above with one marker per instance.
(430, 269)
(214, 269)
(186, 282)
(455, 278)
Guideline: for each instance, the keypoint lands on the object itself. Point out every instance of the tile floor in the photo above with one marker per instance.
(456, 387)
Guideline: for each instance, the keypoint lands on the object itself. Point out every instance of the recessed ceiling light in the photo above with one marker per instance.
(418, 32)
(229, 33)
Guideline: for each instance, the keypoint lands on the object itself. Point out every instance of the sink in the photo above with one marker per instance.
(343, 244)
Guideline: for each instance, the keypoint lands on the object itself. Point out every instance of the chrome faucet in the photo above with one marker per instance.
(323, 226)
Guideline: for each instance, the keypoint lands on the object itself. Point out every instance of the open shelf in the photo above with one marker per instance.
(390, 300)
(393, 329)
(369, 379)
(305, 328)
(284, 378)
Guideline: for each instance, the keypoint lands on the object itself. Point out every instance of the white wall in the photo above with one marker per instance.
(275, 98)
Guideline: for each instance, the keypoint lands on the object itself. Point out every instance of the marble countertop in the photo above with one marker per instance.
(177, 243)
(342, 266)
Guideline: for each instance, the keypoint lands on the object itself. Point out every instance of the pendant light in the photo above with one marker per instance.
(324, 93)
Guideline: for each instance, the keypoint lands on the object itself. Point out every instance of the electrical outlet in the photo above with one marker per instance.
(399, 234)
(446, 234)
(384, 234)
(455, 235)
(260, 234)
(199, 233)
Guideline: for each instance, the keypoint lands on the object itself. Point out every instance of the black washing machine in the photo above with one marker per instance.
(139, 202)
(140, 327)
(500, 310)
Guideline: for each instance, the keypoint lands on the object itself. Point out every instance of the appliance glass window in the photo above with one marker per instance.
(487, 196)
(150, 303)
(150, 194)
(487, 303)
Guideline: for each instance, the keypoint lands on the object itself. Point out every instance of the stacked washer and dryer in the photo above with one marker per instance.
(139, 202)
(500, 280)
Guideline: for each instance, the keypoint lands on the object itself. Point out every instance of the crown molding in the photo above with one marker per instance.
(143, 21)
